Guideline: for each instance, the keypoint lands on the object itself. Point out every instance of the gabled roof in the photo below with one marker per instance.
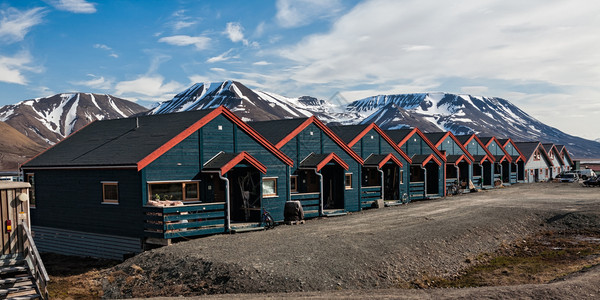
(292, 127)
(487, 141)
(380, 160)
(466, 139)
(351, 134)
(401, 136)
(437, 138)
(423, 159)
(551, 148)
(224, 162)
(318, 161)
(563, 150)
(529, 148)
(481, 158)
(455, 159)
(505, 142)
(135, 142)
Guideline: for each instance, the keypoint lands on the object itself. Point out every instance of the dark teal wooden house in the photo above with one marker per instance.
(502, 159)
(516, 170)
(117, 184)
(482, 161)
(459, 162)
(326, 173)
(386, 169)
(427, 170)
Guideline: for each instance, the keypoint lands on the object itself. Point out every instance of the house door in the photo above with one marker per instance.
(487, 173)
(433, 178)
(506, 171)
(536, 175)
(244, 194)
(391, 187)
(333, 187)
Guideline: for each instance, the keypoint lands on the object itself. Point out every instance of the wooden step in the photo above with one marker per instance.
(12, 269)
(11, 262)
(15, 280)
(25, 297)
(16, 290)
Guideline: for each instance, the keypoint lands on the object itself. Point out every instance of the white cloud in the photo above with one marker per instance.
(261, 63)
(107, 48)
(74, 6)
(148, 87)
(96, 82)
(15, 24)
(200, 42)
(183, 24)
(11, 68)
(475, 90)
(296, 13)
(235, 32)
(222, 57)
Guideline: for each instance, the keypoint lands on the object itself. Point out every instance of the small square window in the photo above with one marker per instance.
(348, 181)
(110, 192)
(269, 186)
(294, 183)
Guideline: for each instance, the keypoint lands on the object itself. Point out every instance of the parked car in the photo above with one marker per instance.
(569, 177)
(584, 173)
(594, 181)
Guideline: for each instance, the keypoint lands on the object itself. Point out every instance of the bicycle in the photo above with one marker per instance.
(267, 220)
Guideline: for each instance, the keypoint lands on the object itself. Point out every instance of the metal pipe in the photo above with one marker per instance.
(320, 191)
(424, 182)
(227, 199)
(382, 189)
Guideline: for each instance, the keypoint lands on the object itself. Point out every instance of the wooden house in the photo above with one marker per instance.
(483, 160)
(537, 161)
(516, 170)
(326, 172)
(117, 184)
(386, 168)
(502, 160)
(558, 165)
(427, 170)
(566, 158)
(459, 162)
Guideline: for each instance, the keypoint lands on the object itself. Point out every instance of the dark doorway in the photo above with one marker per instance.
(433, 178)
(391, 186)
(244, 194)
(463, 173)
(506, 171)
(536, 175)
(333, 187)
(521, 171)
(487, 173)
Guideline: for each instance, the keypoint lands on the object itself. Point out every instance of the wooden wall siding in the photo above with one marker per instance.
(475, 148)
(71, 242)
(511, 150)
(371, 143)
(72, 200)
(541, 165)
(10, 209)
(495, 149)
(416, 145)
(182, 162)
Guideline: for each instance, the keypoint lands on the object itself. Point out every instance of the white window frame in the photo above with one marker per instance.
(346, 175)
(276, 192)
(109, 201)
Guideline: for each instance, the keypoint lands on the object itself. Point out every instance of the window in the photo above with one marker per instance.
(537, 155)
(31, 179)
(294, 183)
(348, 181)
(401, 176)
(269, 187)
(178, 191)
(110, 192)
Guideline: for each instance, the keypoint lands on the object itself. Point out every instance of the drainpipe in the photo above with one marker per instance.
(424, 182)
(382, 189)
(320, 191)
(227, 200)
(457, 175)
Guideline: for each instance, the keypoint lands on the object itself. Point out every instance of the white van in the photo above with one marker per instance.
(584, 173)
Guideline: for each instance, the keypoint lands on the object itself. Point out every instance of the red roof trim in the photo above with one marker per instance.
(361, 135)
(387, 158)
(506, 155)
(326, 130)
(462, 157)
(521, 156)
(221, 110)
(442, 139)
(490, 157)
(429, 158)
(541, 147)
(487, 157)
(389, 141)
(453, 137)
(420, 133)
(241, 157)
(334, 157)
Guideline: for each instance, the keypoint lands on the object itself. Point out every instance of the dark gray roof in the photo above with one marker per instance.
(527, 148)
(435, 137)
(312, 160)
(120, 142)
(547, 147)
(452, 158)
(502, 141)
(478, 158)
(485, 139)
(347, 132)
(374, 159)
(221, 159)
(276, 130)
(463, 138)
(497, 158)
(398, 135)
(419, 158)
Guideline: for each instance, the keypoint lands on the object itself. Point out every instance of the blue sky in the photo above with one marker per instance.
(541, 55)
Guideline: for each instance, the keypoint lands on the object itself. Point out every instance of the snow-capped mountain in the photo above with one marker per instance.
(248, 104)
(464, 114)
(48, 120)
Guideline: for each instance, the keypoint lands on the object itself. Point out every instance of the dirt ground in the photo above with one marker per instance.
(421, 250)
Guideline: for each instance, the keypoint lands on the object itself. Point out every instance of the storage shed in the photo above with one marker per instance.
(459, 162)
(538, 163)
(386, 168)
(326, 172)
(427, 171)
(502, 160)
(516, 170)
(115, 185)
(482, 160)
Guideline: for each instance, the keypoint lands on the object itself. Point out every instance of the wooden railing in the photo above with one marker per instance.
(477, 181)
(368, 195)
(34, 262)
(416, 190)
(184, 220)
(310, 203)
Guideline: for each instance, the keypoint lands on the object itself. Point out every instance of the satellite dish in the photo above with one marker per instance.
(23, 197)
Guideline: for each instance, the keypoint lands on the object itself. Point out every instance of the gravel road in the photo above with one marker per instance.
(373, 252)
